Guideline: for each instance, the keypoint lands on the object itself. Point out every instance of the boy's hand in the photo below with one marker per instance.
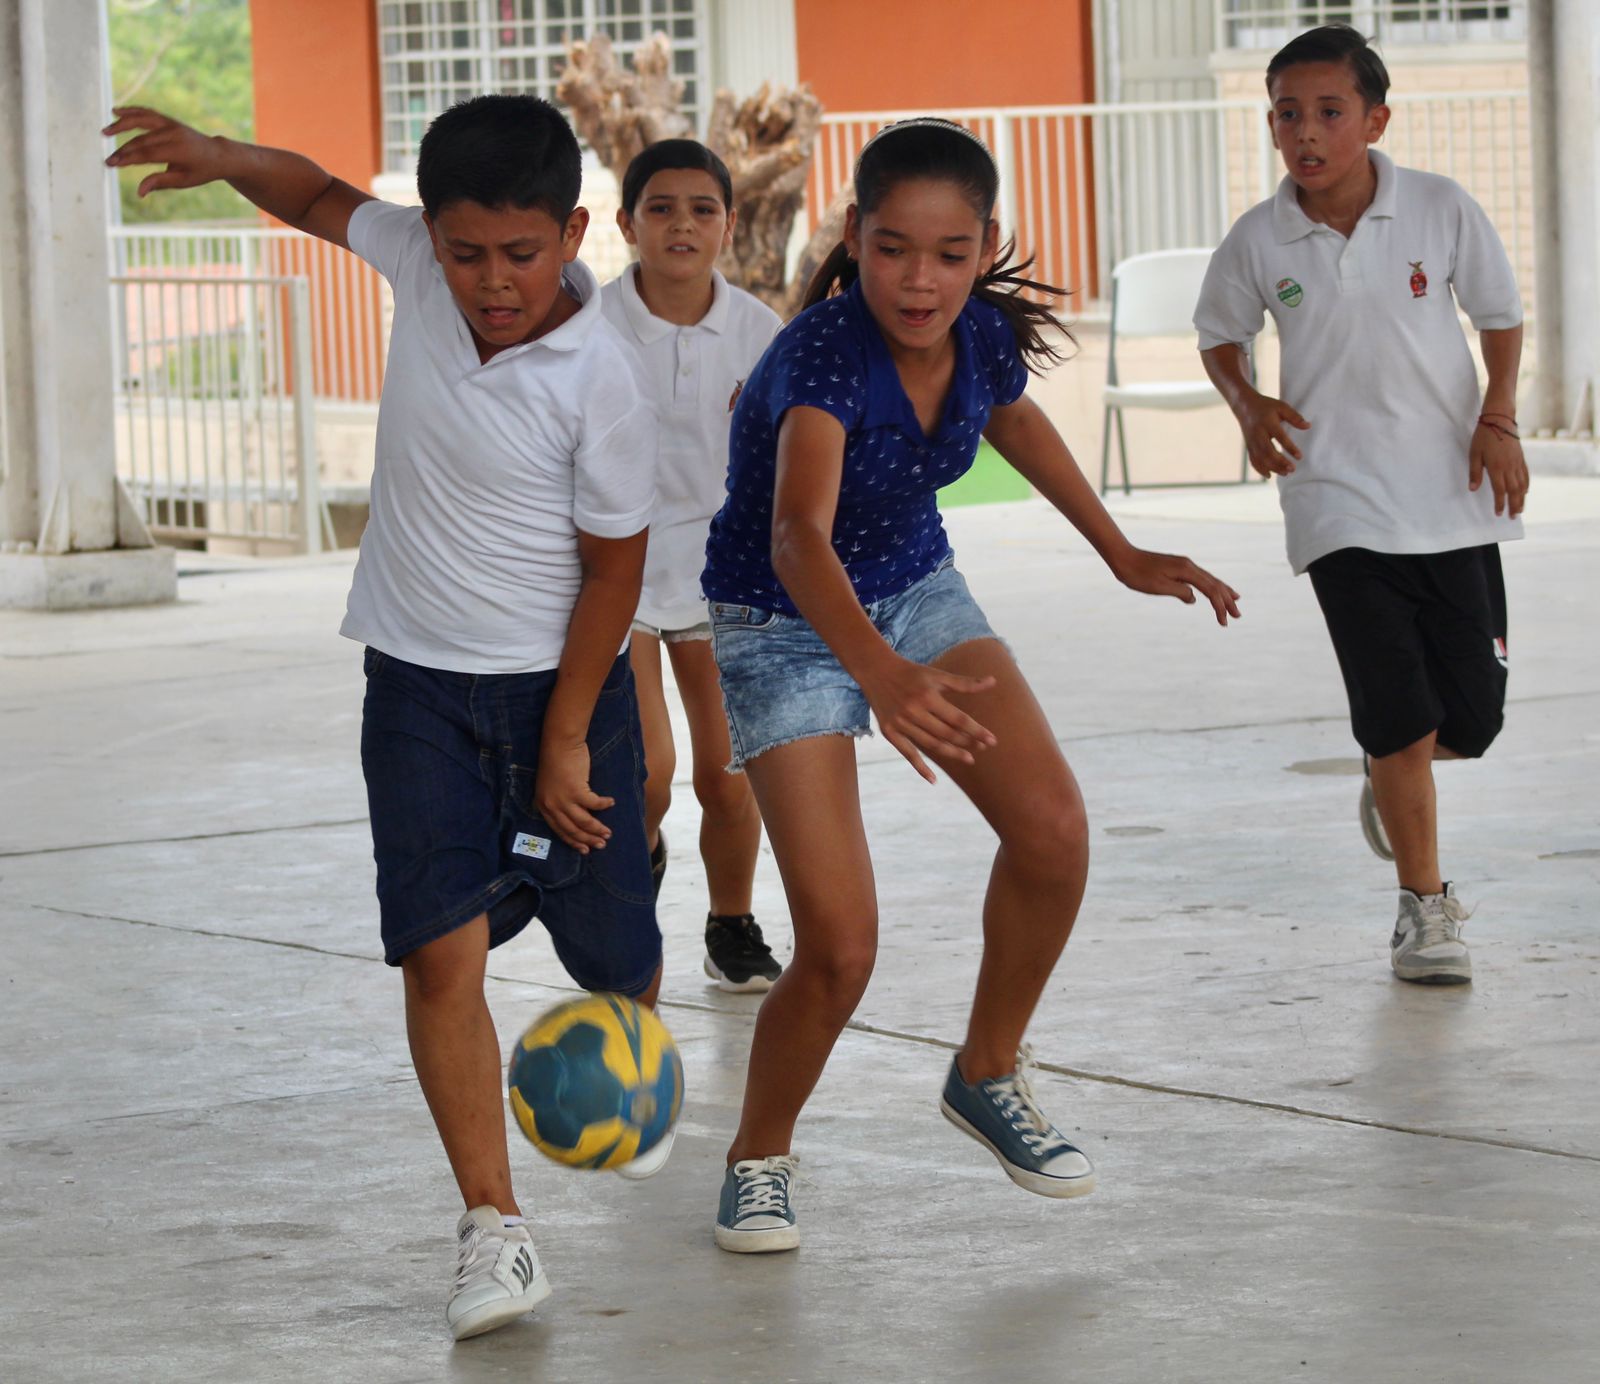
(1499, 452)
(564, 799)
(914, 711)
(1165, 574)
(192, 158)
(1266, 423)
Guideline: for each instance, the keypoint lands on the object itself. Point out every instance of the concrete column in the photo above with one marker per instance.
(69, 536)
(1564, 66)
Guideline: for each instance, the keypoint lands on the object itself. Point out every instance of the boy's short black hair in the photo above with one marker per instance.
(501, 151)
(1336, 43)
(673, 153)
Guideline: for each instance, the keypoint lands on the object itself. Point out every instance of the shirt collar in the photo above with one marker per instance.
(1289, 221)
(887, 403)
(650, 328)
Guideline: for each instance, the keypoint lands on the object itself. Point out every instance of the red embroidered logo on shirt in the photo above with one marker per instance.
(1419, 280)
(733, 398)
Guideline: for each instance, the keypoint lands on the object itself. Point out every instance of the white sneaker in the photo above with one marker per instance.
(1426, 946)
(498, 1277)
(648, 1164)
(1371, 823)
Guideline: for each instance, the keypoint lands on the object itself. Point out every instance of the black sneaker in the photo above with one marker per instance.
(658, 862)
(736, 956)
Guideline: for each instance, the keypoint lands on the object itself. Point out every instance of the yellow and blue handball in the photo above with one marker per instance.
(596, 1082)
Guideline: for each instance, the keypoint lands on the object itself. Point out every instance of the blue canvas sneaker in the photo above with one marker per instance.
(755, 1216)
(1002, 1115)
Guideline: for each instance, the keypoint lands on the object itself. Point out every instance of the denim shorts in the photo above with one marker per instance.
(450, 760)
(781, 682)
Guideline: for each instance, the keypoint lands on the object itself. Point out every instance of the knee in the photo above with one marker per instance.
(443, 970)
(723, 797)
(837, 975)
(1051, 845)
(658, 786)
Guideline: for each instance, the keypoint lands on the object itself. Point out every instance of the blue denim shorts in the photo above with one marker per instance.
(781, 682)
(450, 760)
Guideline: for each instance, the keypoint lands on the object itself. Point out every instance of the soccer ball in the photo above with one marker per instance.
(596, 1082)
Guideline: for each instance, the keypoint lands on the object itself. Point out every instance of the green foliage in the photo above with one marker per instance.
(190, 59)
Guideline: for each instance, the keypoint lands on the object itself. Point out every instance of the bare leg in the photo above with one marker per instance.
(1402, 787)
(730, 823)
(660, 756)
(457, 1056)
(809, 801)
(1026, 792)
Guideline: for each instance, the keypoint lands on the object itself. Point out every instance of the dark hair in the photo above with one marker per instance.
(501, 151)
(1336, 43)
(930, 148)
(665, 154)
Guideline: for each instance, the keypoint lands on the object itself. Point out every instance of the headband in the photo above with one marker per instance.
(935, 122)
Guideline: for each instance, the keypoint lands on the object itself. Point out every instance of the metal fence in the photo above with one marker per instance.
(348, 297)
(1271, 23)
(1084, 187)
(215, 410)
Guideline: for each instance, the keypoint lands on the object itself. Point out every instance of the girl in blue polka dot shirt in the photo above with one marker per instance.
(832, 594)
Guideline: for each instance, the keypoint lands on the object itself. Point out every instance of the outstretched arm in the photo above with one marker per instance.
(910, 700)
(285, 185)
(1026, 438)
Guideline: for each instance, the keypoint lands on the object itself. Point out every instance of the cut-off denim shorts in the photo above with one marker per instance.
(782, 683)
(450, 761)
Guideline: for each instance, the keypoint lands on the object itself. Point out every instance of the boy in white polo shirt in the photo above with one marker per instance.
(698, 337)
(1382, 444)
(498, 574)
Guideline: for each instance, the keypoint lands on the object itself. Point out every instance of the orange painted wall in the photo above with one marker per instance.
(316, 82)
(874, 55)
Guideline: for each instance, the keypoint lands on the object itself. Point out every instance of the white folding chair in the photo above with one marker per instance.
(1154, 295)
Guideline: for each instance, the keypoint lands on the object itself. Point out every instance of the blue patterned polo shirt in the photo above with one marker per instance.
(887, 531)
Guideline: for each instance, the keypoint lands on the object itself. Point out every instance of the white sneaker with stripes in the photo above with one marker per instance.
(498, 1277)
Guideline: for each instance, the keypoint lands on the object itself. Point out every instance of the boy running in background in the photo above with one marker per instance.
(514, 480)
(1382, 476)
(698, 338)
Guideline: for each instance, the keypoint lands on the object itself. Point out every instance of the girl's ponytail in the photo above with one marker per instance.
(1034, 325)
(834, 275)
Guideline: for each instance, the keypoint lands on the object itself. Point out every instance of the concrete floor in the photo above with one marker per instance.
(216, 1162)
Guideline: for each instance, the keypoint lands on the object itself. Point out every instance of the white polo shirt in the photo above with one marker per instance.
(1374, 358)
(485, 472)
(694, 375)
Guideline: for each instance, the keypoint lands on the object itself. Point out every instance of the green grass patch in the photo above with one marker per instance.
(990, 479)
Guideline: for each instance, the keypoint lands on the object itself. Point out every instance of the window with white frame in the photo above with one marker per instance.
(433, 53)
(1272, 23)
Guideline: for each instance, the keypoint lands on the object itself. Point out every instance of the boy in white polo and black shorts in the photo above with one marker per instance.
(499, 572)
(1381, 478)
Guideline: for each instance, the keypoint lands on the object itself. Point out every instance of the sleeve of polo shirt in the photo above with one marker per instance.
(386, 235)
(614, 480)
(1485, 286)
(999, 354)
(1230, 311)
(809, 371)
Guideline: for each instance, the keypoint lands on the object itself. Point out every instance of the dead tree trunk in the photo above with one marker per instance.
(768, 142)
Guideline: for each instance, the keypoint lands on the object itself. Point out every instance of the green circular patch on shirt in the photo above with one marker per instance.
(1289, 293)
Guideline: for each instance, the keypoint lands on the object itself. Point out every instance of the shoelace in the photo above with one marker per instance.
(767, 1190)
(745, 932)
(1441, 921)
(1022, 1110)
(476, 1260)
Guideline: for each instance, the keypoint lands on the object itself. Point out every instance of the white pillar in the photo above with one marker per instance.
(1564, 67)
(68, 534)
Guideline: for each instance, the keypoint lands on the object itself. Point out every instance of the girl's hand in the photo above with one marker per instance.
(1498, 452)
(1265, 423)
(565, 800)
(192, 158)
(1165, 574)
(914, 711)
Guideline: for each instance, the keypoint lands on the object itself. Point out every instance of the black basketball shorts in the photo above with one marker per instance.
(1421, 641)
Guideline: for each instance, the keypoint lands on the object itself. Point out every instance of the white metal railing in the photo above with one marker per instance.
(1084, 187)
(1272, 23)
(215, 413)
(348, 297)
